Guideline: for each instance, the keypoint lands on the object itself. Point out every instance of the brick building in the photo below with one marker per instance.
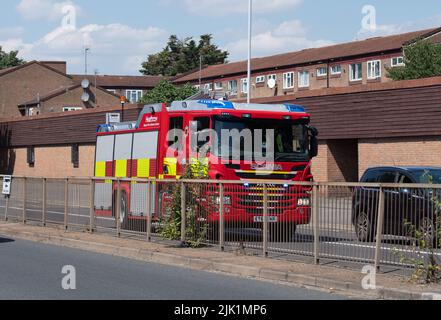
(342, 65)
(132, 87)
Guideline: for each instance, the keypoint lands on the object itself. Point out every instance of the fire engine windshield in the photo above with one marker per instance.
(261, 140)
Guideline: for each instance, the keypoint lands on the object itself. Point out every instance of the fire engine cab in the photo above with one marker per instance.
(159, 146)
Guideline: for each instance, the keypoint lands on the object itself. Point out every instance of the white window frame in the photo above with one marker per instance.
(319, 74)
(243, 83)
(216, 87)
(260, 79)
(371, 69)
(393, 65)
(129, 95)
(338, 72)
(230, 87)
(301, 75)
(290, 84)
(112, 91)
(351, 67)
(208, 86)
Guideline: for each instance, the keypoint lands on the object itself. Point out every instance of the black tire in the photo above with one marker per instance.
(364, 227)
(213, 232)
(124, 217)
(282, 232)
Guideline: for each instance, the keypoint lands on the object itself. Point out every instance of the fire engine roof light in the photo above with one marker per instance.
(246, 115)
(246, 185)
(294, 108)
(287, 117)
(285, 185)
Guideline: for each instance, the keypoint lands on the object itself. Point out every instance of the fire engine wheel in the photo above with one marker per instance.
(282, 232)
(124, 208)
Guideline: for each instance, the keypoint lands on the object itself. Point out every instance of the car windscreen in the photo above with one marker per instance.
(429, 176)
(289, 139)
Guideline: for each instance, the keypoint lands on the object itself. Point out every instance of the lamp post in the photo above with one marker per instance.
(123, 102)
(86, 50)
(250, 13)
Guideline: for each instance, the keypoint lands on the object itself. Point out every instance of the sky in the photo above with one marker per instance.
(121, 34)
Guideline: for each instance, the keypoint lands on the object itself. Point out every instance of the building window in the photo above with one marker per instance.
(336, 70)
(134, 96)
(356, 72)
(303, 79)
(322, 72)
(244, 85)
(232, 86)
(68, 109)
(75, 156)
(397, 62)
(288, 80)
(208, 87)
(260, 79)
(198, 87)
(112, 91)
(31, 156)
(218, 86)
(374, 69)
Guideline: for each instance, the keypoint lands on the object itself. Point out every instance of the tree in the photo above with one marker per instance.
(180, 56)
(8, 60)
(166, 92)
(422, 60)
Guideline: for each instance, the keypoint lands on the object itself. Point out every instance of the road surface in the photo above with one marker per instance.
(34, 271)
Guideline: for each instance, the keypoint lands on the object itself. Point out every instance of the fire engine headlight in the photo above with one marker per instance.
(227, 200)
(303, 202)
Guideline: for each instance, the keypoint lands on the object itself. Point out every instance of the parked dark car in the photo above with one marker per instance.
(407, 211)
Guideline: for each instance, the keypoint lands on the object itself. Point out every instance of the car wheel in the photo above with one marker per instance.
(364, 227)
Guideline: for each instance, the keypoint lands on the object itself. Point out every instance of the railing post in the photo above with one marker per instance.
(183, 215)
(92, 206)
(44, 210)
(265, 220)
(66, 204)
(316, 223)
(221, 218)
(7, 207)
(149, 211)
(24, 200)
(380, 222)
(118, 209)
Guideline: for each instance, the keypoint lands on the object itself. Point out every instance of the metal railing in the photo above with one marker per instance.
(378, 224)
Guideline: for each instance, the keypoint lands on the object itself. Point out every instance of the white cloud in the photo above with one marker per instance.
(116, 45)
(44, 9)
(288, 36)
(215, 7)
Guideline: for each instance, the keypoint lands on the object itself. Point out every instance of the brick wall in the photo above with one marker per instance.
(25, 84)
(399, 152)
(53, 162)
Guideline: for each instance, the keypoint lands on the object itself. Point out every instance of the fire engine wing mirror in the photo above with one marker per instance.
(313, 142)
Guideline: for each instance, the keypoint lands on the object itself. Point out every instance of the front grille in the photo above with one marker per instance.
(272, 176)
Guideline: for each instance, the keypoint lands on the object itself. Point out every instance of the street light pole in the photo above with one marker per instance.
(250, 12)
(86, 50)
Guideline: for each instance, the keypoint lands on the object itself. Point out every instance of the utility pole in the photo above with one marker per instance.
(200, 71)
(250, 13)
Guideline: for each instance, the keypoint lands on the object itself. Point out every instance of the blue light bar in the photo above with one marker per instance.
(217, 104)
(295, 108)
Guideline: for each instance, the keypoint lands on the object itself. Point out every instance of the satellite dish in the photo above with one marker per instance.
(271, 83)
(85, 83)
(85, 97)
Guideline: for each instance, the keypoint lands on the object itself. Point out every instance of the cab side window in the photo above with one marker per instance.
(201, 125)
(175, 133)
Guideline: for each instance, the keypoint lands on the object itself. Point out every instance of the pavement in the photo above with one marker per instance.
(347, 282)
(33, 271)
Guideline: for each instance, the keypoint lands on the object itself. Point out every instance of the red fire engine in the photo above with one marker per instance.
(144, 149)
